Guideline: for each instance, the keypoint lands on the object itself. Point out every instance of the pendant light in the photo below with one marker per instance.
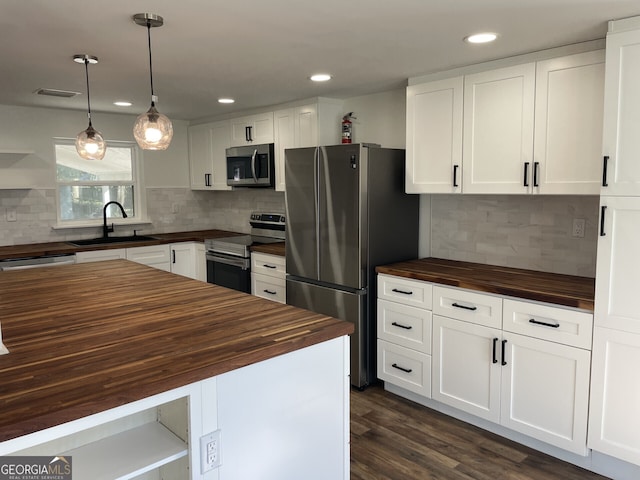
(89, 143)
(152, 130)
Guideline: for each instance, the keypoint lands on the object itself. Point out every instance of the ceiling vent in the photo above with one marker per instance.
(56, 93)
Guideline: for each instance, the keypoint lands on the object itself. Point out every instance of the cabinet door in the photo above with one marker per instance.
(284, 135)
(183, 259)
(498, 130)
(271, 288)
(568, 125)
(545, 391)
(618, 264)
(252, 129)
(434, 137)
(306, 126)
(614, 418)
(219, 132)
(466, 368)
(156, 256)
(621, 142)
(200, 164)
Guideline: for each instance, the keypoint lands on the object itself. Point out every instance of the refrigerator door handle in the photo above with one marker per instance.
(316, 199)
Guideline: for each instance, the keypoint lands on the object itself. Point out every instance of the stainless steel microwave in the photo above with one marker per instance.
(251, 166)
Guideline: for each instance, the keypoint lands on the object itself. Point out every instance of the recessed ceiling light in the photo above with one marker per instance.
(122, 103)
(320, 77)
(226, 100)
(484, 37)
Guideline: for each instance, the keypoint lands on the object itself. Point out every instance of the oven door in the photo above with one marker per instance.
(228, 271)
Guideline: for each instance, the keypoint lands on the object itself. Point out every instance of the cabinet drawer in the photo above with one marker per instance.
(406, 291)
(471, 307)
(405, 368)
(265, 264)
(403, 325)
(268, 287)
(569, 327)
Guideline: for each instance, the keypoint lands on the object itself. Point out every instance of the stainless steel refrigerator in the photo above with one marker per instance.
(346, 213)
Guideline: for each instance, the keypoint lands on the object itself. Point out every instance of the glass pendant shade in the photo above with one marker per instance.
(153, 130)
(90, 144)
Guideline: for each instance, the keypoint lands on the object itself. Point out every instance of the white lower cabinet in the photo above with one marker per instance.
(101, 255)
(404, 333)
(156, 256)
(615, 394)
(188, 259)
(523, 365)
(268, 276)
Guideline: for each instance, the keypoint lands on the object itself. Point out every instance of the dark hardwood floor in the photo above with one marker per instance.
(395, 439)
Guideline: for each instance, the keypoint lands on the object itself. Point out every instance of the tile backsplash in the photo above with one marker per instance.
(531, 232)
(194, 210)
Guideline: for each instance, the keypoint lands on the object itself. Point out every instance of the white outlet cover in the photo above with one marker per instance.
(205, 454)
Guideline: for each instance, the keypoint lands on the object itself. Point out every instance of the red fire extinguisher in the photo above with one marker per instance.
(347, 127)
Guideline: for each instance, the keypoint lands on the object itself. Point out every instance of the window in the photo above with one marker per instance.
(85, 186)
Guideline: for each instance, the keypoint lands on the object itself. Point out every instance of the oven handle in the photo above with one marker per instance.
(243, 263)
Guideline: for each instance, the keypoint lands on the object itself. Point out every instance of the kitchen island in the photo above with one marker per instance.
(97, 348)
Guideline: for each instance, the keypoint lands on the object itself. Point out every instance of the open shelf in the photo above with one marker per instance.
(127, 454)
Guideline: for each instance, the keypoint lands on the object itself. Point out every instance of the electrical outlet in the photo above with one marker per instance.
(12, 215)
(210, 453)
(175, 208)
(578, 227)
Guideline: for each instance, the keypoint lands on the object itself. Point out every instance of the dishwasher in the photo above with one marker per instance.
(37, 262)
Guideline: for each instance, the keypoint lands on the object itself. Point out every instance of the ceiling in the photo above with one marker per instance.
(261, 52)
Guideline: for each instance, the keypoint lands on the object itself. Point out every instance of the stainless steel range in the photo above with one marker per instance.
(229, 258)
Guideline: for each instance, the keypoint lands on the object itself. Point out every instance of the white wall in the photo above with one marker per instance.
(33, 129)
(381, 118)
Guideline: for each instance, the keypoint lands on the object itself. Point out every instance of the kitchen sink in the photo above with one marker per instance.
(108, 240)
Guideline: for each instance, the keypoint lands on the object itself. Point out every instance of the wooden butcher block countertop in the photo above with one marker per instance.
(277, 248)
(89, 337)
(567, 290)
(61, 248)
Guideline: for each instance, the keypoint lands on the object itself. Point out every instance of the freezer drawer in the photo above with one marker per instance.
(345, 305)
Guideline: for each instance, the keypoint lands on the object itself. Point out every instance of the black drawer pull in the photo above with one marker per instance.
(536, 167)
(603, 209)
(270, 292)
(405, 370)
(406, 327)
(268, 266)
(457, 305)
(604, 171)
(495, 344)
(402, 291)
(538, 322)
(504, 347)
(525, 181)
(455, 175)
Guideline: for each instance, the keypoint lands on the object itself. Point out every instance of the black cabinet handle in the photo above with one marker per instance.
(495, 347)
(604, 170)
(406, 327)
(173, 255)
(457, 305)
(270, 292)
(602, 210)
(405, 370)
(504, 348)
(247, 133)
(525, 181)
(268, 266)
(455, 175)
(538, 322)
(536, 167)
(207, 179)
(402, 291)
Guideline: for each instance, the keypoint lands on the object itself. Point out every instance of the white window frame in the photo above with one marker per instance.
(139, 192)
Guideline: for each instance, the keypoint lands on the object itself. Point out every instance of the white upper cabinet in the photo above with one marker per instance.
(207, 156)
(252, 129)
(621, 141)
(568, 125)
(529, 128)
(434, 137)
(304, 126)
(498, 130)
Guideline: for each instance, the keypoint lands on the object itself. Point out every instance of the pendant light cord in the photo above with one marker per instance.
(86, 70)
(153, 103)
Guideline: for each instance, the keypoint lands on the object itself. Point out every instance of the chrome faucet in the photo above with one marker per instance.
(105, 228)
